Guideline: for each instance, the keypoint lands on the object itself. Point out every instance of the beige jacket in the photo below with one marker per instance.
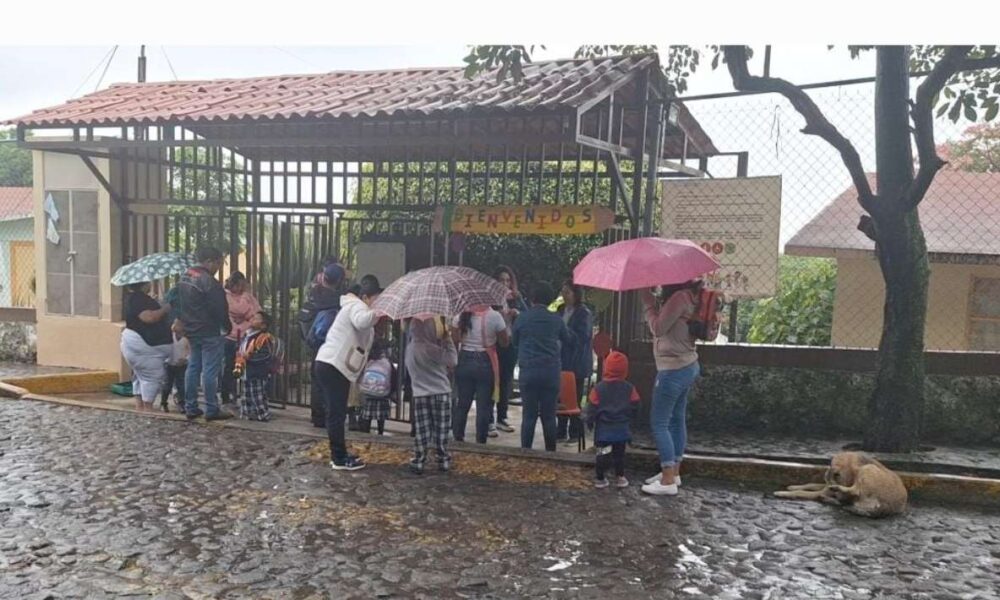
(673, 345)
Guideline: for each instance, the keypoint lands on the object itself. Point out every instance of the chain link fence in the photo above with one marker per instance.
(17, 250)
(827, 289)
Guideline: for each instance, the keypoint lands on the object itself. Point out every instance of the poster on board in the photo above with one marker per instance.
(737, 220)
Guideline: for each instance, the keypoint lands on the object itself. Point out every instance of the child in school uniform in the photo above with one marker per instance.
(612, 403)
(180, 350)
(255, 364)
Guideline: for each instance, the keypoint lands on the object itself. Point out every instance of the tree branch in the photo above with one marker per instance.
(978, 64)
(816, 123)
(922, 114)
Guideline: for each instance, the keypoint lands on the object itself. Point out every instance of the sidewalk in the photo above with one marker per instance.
(948, 474)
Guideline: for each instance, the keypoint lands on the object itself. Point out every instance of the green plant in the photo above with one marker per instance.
(802, 311)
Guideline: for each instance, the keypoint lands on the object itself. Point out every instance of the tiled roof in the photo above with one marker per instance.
(15, 203)
(960, 215)
(557, 84)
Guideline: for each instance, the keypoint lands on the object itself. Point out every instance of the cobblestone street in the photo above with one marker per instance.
(101, 504)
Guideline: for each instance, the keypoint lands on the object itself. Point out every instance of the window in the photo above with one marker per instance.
(984, 315)
(72, 276)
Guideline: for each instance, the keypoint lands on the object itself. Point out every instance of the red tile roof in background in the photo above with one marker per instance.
(16, 203)
(557, 84)
(960, 215)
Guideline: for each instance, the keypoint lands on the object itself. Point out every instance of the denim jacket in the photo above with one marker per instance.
(539, 336)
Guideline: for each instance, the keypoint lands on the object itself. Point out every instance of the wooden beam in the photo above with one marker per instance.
(102, 180)
(620, 183)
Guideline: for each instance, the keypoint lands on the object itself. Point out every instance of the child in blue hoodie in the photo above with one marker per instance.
(612, 403)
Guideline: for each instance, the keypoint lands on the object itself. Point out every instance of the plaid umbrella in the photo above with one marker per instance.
(152, 267)
(440, 291)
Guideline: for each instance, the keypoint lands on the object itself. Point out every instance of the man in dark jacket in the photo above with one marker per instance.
(324, 294)
(205, 316)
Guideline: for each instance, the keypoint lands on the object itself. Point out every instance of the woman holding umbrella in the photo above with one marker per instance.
(677, 265)
(146, 343)
(147, 340)
(676, 371)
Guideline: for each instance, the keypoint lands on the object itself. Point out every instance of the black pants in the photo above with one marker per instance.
(227, 383)
(317, 403)
(507, 357)
(335, 388)
(572, 426)
(615, 458)
(175, 380)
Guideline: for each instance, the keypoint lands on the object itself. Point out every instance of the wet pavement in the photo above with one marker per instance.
(22, 369)
(97, 504)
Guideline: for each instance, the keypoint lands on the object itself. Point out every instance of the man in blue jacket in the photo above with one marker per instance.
(205, 316)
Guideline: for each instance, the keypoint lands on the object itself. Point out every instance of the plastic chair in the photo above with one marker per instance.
(569, 406)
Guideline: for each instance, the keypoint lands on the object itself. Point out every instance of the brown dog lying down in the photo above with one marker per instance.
(858, 483)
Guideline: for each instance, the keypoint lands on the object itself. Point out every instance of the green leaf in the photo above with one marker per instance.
(991, 112)
(970, 113)
(956, 110)
(942, 109)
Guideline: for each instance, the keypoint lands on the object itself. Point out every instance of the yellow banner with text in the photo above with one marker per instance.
(524, 220)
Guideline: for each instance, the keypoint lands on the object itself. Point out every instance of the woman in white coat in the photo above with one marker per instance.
(340, 361)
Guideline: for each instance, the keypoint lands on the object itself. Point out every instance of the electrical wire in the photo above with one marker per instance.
(91, 74)
(298, 58)
(106, 67)
(163, 49)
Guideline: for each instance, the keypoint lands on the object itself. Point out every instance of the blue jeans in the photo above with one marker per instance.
(539, 396)
(204, 365)
(474, 380)
(668, 416)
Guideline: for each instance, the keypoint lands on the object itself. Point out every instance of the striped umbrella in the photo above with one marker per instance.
(152, 267)
(440, 291)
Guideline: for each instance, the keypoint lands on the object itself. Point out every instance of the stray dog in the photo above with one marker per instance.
(859, 484)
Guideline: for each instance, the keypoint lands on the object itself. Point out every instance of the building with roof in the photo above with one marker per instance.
(17, 248)
(961, 219)
(285, 170)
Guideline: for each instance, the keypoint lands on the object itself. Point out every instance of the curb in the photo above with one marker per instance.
(755, 473)
(58, 383)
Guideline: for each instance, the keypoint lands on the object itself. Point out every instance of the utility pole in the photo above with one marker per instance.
(142, 64)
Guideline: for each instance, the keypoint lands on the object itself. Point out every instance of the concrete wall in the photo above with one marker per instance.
(83, 342)
(21, 230)
(857, 308)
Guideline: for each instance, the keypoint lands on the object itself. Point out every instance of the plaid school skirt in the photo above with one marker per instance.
(375, 409)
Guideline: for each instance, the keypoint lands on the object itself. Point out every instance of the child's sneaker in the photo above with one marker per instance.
(601, 483)
(416, 467)
(351, 463)
(492, 432)
(621, 482)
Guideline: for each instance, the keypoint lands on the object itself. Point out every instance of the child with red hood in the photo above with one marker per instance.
(612, 402)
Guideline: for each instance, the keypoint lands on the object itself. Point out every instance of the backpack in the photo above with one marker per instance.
(316, 334)
(376, 379)
(706, 322)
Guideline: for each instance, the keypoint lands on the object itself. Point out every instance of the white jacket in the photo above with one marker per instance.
(349, 338)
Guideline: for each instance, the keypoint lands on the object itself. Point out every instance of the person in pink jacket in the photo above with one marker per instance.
(242, 307)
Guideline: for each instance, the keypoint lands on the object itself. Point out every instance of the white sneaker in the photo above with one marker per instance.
(658, 489)
(658, 476)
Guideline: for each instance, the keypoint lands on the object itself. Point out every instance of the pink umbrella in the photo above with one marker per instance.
(643, 263)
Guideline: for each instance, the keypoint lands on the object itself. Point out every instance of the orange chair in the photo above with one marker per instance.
(569, 405)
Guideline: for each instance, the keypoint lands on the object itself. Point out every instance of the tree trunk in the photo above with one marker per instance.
(896, 407)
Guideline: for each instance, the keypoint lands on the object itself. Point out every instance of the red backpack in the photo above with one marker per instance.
(705, 323)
